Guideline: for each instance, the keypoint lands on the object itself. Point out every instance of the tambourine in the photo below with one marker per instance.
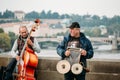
(76, 68)
(63, 66)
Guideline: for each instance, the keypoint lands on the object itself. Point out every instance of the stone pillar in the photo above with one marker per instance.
(114, 42)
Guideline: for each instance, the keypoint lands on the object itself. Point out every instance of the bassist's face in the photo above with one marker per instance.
(23, 32)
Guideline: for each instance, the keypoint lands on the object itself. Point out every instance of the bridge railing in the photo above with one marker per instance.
(100, 69)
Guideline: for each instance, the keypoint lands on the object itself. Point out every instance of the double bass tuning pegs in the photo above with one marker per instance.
(37, 21)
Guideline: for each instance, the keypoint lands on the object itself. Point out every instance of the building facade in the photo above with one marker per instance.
(19, 15)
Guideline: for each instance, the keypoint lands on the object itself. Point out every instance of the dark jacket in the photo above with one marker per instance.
(86, 45)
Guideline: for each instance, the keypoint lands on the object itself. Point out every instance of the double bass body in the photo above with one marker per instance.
(27, 70)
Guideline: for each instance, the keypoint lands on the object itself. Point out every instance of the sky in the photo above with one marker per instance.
(101, 8)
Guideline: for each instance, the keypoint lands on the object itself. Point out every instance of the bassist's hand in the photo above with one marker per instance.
(17, 58)
(29, 42)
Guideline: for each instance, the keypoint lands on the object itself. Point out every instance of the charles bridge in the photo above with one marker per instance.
(115, 42)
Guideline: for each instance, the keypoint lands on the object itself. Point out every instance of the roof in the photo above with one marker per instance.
(19, 12)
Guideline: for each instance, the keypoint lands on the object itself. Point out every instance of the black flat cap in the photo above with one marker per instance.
(74, 25)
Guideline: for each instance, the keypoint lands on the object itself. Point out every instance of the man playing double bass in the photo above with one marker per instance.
(18, 46)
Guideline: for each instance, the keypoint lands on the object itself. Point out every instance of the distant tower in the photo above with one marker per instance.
(114, 42)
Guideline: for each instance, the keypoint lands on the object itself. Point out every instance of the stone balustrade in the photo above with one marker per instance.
(100, 69)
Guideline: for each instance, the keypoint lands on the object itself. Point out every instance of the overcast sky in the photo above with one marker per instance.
(108, 8)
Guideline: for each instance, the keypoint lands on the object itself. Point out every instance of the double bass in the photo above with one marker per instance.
(28, 59)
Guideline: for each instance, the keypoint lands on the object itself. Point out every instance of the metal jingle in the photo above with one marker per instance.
(76, 68)
(63, 66)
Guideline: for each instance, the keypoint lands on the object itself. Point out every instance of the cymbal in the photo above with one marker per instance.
(76, 68)
(63, 66)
